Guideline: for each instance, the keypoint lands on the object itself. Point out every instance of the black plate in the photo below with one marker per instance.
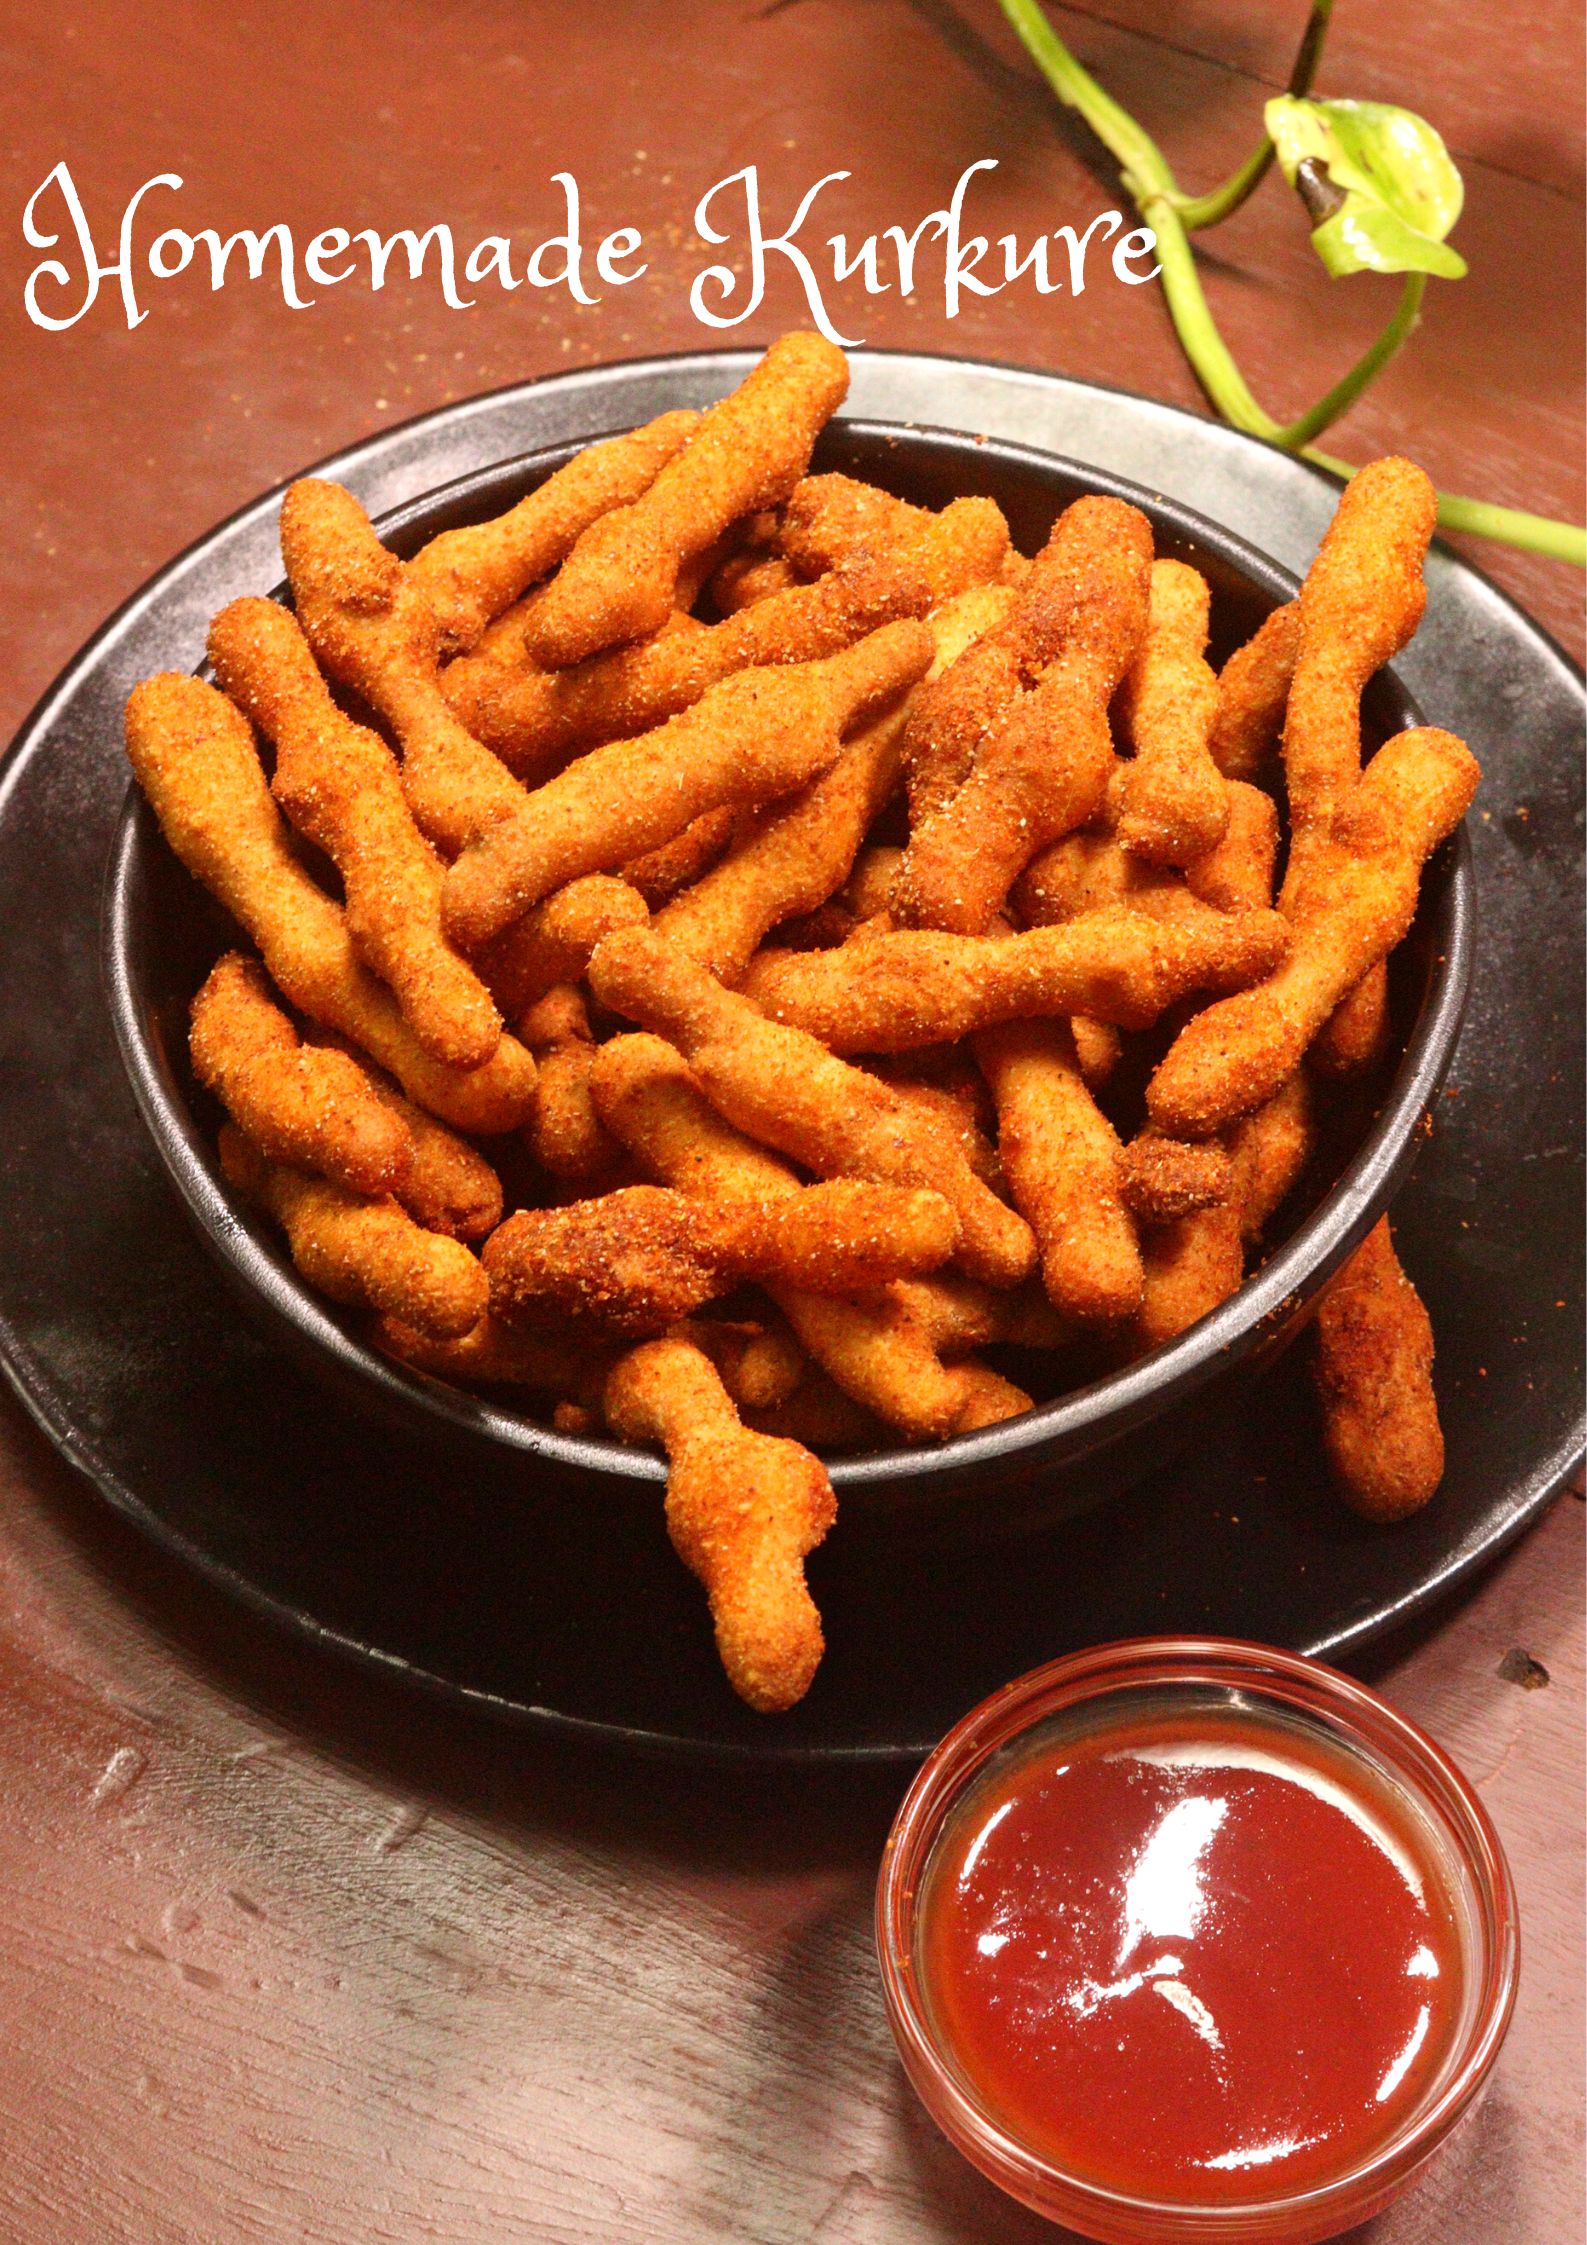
(123, 1343)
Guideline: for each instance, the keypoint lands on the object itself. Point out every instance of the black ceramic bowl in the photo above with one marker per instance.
(161, 934)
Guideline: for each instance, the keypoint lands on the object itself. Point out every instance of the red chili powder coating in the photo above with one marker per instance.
(1195, 1956)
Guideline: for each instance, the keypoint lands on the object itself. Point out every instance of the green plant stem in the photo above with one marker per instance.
(1219, 203)
(1151, 184)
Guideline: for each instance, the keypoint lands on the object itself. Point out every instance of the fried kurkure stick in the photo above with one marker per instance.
(620, 581)
(1041, 765)
(635, 1261)
(1362, 600)
(1195, 1263)
(553, 942)
(571, 1367)
(195, 759)
(369, 621)
(365, 1252)
(891, 992)
(743, 1510)
(471, 575)
(1166, 1179)
(535, 719)
(565, 1133)
(1373, 1366)
(1060, 1155)
(751, 739)
(798, 856)
(1173, 804)
(448, 1185)
(829, 518)
(299, 1103)
(881, 1352)
(1253, 692)
(662, 874)
(785, 1088)
(1231, 1058)
(338, 784)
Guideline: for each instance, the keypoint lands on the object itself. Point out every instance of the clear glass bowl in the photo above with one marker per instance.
(1237, 1679)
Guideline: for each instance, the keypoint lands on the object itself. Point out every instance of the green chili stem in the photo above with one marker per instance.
(1150, 181)
(1219, 203)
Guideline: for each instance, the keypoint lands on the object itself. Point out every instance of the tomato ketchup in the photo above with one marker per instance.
(1190, 1953)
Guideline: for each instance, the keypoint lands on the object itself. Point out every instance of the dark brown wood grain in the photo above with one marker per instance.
(285, 1956)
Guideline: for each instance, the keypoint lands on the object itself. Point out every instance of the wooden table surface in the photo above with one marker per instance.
(285, 1955)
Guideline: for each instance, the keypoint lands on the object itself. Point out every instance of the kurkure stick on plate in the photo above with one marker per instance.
(902, 731)
(751, 739)
(195, 760)
(786, 1088)
(1040, 755)
(536, 719)
(636, 1260)
(881, 1351)
(1173, 801)
(750, 449)
(890, 992)
(743, 1510)
(363, 1251)
(338, 784)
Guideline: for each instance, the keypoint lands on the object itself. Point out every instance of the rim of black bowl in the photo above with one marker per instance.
(1139, 1393)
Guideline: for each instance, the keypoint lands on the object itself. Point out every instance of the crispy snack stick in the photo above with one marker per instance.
(1173, 803)
(1362, 601)
(760, 1361)
(300, 1104)
(659, 875)
(620, 581)
(1060, 1155)
(798, 856)
(820, 1417)
(958, 1315)
(1253, 692)
(1360, 605)
(471, 575)
(1231, 1058)
(565, 1134)
(1041, 758)
(829, 518)
(1374, 1371)
(1197, 1262)
(891, 992)
(572, 1367)
(552, 943)
(1085, 871)
(748, 577)
(448, 1185)
(879, 1352)
(958, 1103)
(369, 1253)
(195, 759)
(535, 719)
(1098, 1049)
(1237, 875)
(369, 621)
(1166, 1179)
(1353, 1037)
(743, 1510)
(338, 784)
(751, 739)
(781, 1086)
(636, 1261)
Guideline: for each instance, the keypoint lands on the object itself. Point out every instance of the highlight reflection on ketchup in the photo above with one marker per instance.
(1190, 1956)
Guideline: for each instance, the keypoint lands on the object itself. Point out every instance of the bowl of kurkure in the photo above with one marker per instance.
(871, 977)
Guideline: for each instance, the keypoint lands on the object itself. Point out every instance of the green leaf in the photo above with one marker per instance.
(1377, 181)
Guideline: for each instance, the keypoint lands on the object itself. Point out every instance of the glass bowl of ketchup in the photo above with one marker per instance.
(1189, 1939)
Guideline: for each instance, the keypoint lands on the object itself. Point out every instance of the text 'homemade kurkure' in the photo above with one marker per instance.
(1012, 841)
